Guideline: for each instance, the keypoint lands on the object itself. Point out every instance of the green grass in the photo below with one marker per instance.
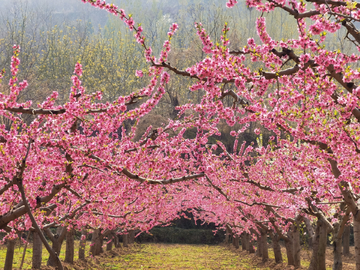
(164, 256)
(149, 256)
(176, 256)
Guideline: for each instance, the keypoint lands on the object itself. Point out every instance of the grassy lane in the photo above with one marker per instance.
(171, 256)
(176, 256)
(147, 256)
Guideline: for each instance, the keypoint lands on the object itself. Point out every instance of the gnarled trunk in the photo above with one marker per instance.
(126, 240)
(319, 247)
(236, 241)
(37, 251)
(276, 247)
(132, 237)
(56, 247)
(96, 243)
(296, 243)
(244, 243)
(289, 251)
(10, 245)
(338, 230)
(82, 244)
(69, 254)
(259, 249)
(346, 241)
(57, 240)
(264, 246)
(227, 235)
(337, 253)
(251, 244)
(289, 245)
(310, 231)
(357, 240)
(116, 241)
(110, 241)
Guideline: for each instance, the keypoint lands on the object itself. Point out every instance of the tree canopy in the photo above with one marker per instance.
(76, 162)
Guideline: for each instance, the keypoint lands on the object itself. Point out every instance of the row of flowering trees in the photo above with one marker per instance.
(76, 165)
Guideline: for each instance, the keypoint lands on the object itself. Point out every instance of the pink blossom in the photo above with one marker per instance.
(139, 73)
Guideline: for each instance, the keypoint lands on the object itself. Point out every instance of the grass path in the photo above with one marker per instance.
(176, 256)
(147, 256)
(169, 256)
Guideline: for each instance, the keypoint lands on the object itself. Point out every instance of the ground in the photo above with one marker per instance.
(172, 256)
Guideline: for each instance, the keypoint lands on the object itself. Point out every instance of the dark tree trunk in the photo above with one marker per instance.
(289, 245)
(227, 235)
(37, 251)
(297, 247)
(264, 246)
(56, 246)
(126, 240)
(96, 243)
(337, 252)
(57, 240)
(110, 241)
(259, 249)
(236, 241)
(356, 225)
(116, 241)
(276, 247)
(10, 245)
(251, 244)
(346, 241)
(69, 255)
(244, 243)
(319, 247)
(310, 231)
(132, 237)
(82, 244)
(337, 235)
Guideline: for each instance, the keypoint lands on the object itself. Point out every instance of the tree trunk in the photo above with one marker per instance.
(37, 251)
(110, 241)
(296, 243)
(310, 231)
(96, 243)
(276, 248)
(357, 240)
(319, 247)
(116, 241)
(338, 231)
(243, 242)
(337, 253)
(10, 244)
(69, 254)
(131, 237)
(264, 246)
(56, 246)
(289, 245)
(251, 244)
(126, 240)
(236, 241)
(227, 235)
(82, 244)
(346, 241)
(259, 249)
(289, 252)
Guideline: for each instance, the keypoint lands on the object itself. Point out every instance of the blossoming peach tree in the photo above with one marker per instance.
(76, 159)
